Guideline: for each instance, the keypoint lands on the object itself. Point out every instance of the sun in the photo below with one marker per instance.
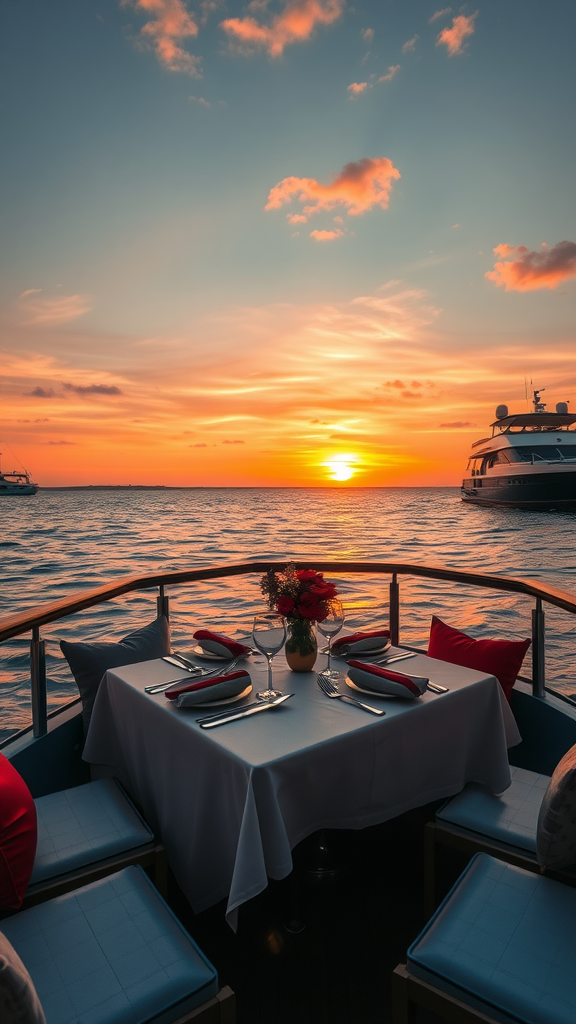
(340, 468)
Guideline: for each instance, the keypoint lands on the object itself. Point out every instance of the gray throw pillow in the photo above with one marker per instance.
(556, 836)
(90, 661)
(19, 1003)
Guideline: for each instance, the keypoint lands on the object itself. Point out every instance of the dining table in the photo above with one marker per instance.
(231, 803)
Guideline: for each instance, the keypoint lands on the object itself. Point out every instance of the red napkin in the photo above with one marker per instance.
(223, 641)
(202, 684)
(361, 673)
(355, 638)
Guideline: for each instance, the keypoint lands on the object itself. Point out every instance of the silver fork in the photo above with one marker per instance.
(327, 687)
(202, 674)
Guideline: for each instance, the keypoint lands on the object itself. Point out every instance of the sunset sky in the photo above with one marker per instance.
(275, 243)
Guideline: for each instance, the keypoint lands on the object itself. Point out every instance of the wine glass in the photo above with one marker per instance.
(269, 636)
(329, 626)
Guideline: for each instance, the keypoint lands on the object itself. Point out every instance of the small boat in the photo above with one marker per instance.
(528, 462)
(17, 483)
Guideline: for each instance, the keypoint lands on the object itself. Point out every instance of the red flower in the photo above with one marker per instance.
(285, 605)
(323, 590)
(310, 608)
(308, 574)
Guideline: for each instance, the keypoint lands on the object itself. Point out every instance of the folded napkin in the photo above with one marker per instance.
(384, 680)
(217, 644)
(236, 681)
(357, 642)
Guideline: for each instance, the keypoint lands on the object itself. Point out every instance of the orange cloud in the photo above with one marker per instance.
(392, 70)
(53, 311)
(295, 24)
(326, 236)
(356, 89)
(453, 37)
(296, 218)
(359, 186)
(527, 271)
(410, 44)
(171, 23)
(367, 34)
(440, 14)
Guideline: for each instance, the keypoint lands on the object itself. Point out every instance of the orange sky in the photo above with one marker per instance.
(287, 242)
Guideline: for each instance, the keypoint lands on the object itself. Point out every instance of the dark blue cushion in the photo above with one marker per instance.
(81, 826)
(111, 953)
(511, 817)
(507, 937)
(90, 661)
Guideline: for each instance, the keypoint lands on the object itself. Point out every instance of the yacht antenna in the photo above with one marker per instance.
(538, 405)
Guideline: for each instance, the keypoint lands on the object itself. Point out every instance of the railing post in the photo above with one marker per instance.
(38, 683)
(538, 650)
(394, 610)
(163, 603)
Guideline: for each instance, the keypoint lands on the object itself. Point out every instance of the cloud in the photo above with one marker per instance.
(41, 393)
(410, 44)
(326, 236)
(55, 444)
(170, 24)
(199, 445)
(93, 389)
(392, 70)
(357, 88)
(459, 424)
(359, 186)
(440, 14)
(295, 24)
(453, 37)
(53, 311)
(200, 100)
(367, 34)
(232, 442)
(527, 271)
(296, 218)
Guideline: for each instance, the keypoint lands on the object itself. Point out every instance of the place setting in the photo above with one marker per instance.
(368, 655)
(225, 685)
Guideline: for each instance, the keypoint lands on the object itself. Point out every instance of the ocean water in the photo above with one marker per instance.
(63, 541)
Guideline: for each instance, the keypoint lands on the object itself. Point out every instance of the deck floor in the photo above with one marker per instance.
(358, 926)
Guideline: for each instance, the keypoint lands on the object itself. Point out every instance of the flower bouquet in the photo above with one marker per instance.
(303, 597)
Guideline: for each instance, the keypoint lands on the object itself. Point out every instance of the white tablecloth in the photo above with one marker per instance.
(231, 803)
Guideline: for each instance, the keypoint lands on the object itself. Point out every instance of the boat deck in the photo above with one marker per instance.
(358, 925)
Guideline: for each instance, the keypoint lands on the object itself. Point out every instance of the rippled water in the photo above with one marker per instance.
(63, 541)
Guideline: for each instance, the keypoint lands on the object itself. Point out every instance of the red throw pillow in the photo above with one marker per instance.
(500, 658)
(18, 835)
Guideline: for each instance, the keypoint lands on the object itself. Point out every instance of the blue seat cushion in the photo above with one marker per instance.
(111, 952)
(81, 826)
(511, 817)
(507, 937)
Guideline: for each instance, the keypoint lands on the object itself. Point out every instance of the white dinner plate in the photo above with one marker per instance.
(221, 703)
(199, 652)
(362, 689)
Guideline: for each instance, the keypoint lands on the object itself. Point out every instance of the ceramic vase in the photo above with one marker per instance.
(301, 645)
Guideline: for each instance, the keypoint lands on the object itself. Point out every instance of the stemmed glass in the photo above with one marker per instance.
(329, 626)
(269, 636)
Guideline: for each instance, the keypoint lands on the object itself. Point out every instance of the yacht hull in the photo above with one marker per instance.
(546, 490)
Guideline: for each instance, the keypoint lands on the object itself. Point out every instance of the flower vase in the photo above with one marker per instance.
(301, 645)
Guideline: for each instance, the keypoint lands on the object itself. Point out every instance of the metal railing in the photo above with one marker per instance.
(22, 622)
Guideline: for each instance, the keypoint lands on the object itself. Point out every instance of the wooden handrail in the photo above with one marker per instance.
(21, 622)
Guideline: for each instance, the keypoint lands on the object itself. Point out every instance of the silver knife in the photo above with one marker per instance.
(389, 661)
(225, 714)
(246, 712)
(184, 666)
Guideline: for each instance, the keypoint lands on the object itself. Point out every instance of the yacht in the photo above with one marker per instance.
(16, 483)
(529, 461)
(321, 944)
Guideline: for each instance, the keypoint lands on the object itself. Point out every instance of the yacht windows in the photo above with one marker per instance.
(544, 452)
